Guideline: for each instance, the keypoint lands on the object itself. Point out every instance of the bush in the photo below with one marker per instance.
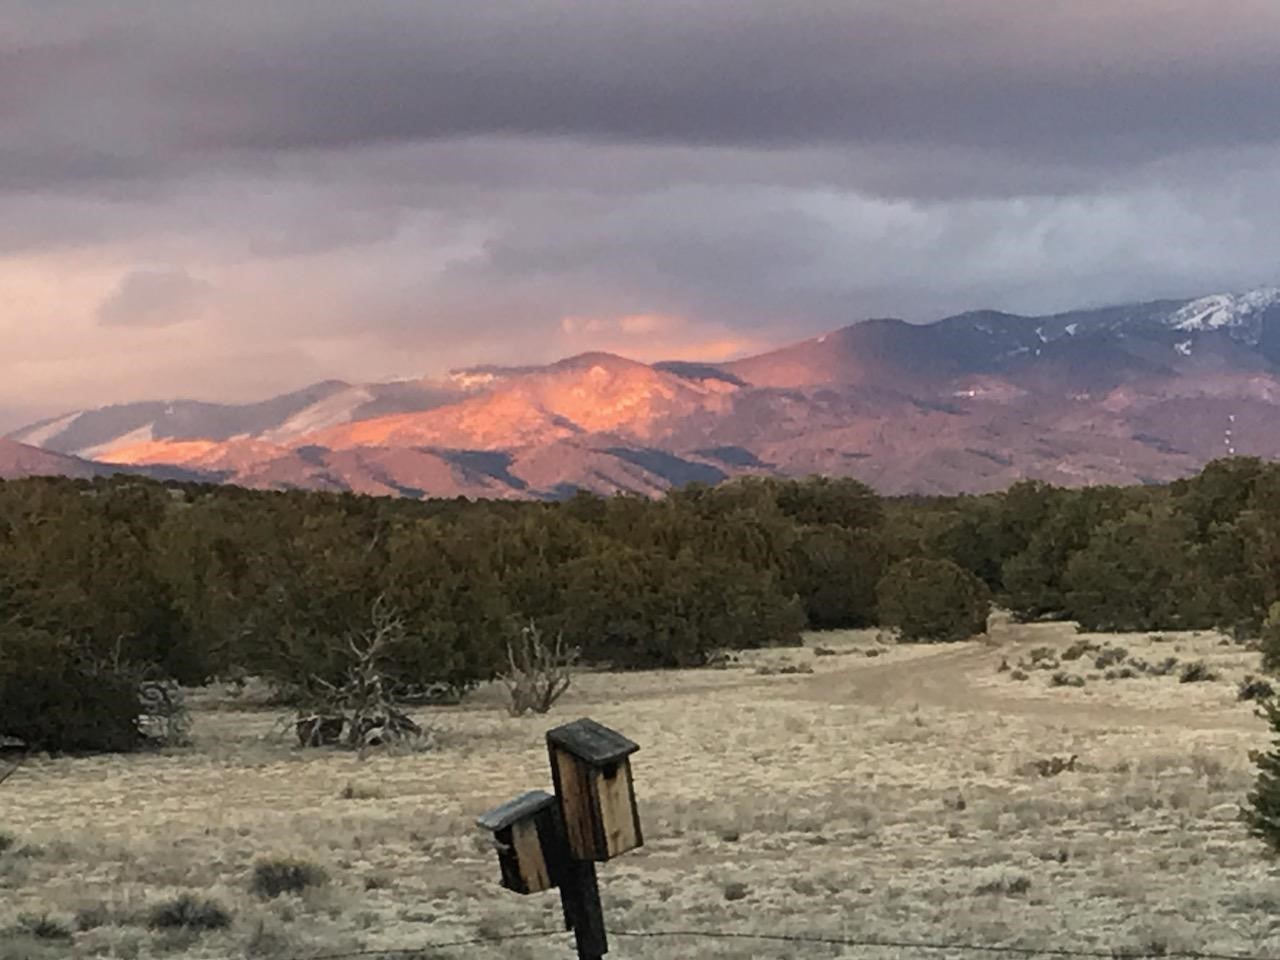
(933, 601)
(1197, 672)
(1161, 669)
(188, 913)
(1253, 688)
(1005, 885)
(538, 674)
(7, 841)
(61, 696)
(359, 791)
(1052, 766)
(271, 878)
(1124, 673)
(92, 917)
(1078, 650)
(1110, 657)
(54, 697)
(1042, 658)
(1064, 679)
(43, 927)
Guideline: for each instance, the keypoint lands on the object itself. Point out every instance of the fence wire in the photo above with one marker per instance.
(1072, 953)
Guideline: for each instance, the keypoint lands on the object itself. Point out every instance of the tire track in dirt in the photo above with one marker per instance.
(948, 680)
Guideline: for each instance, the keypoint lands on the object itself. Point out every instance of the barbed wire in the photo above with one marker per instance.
(1128, 953)
(1136, 953)
(411, 952)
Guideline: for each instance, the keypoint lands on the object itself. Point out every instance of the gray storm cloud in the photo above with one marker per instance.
(396, 188)
(154, 298)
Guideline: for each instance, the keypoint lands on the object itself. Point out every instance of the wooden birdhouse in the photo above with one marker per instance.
(526, 833)
(592, 774)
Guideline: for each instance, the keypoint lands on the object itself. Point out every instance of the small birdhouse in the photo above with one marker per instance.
(527, 836)
(592, 774)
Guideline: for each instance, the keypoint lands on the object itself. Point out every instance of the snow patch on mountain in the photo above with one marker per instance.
(1224, 310)
(338, 408)
(472, 379)
(39, 436)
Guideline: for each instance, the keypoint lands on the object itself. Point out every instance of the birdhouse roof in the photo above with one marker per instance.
(592, 742)
(515, 810)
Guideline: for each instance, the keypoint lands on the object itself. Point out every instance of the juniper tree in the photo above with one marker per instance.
(1262, 810)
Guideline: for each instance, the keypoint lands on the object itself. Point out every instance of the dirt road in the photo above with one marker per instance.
(956, 677)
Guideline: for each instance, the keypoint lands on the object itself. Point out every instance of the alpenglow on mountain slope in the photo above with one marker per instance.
(1135, 393)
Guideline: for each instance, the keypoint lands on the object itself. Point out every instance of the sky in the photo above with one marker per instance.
(228, 200)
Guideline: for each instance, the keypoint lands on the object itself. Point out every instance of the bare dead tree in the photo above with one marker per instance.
(360, 711)
(538, 673)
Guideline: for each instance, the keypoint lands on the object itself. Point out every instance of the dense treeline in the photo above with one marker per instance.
(193, 581)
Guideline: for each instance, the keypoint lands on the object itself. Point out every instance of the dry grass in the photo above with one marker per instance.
(885, 796)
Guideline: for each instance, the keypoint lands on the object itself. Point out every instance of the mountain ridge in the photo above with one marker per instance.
(1137, 392)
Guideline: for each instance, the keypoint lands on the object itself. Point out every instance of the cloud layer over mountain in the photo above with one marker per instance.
(210, 199)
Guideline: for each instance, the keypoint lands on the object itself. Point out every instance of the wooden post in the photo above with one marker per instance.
(548, 842)
(583, 911)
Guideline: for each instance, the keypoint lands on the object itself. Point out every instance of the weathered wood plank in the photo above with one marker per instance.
(573, 786)
(535, 874)
(619, 819)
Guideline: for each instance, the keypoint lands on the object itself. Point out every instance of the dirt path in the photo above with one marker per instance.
(949, 679)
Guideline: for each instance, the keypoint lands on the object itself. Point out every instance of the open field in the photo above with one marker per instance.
(889, 797)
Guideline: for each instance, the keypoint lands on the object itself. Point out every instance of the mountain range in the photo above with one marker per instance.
(1135, 393)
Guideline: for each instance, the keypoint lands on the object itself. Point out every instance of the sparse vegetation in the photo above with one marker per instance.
(92, 917)
(1078, 650)
(274, 878)
(1052, 766)
(1162, 669)
(538, 673)
(1110, 657)
(188, 912)
(359, 791)
(1197, 672)
(1042, 658)
(1254, 688)
(926, 792)
(43, 927)
(1004, 885)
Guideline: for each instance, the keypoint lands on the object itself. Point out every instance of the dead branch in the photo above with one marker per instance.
(538, 674)
(360, 711)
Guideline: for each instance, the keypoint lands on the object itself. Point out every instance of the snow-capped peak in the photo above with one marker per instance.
(1224, 309)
